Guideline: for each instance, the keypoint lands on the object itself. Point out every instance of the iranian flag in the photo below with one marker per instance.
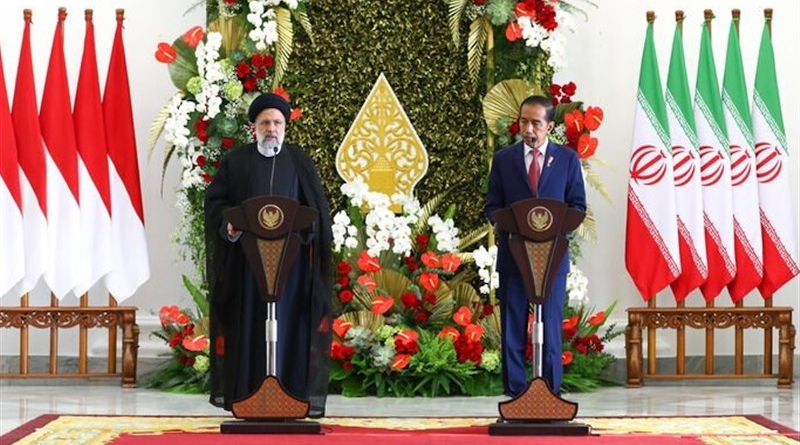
(32, 171)
(746, 220)
(12, 261)
(686, 164)
(772, 168)
(130, 265)
(652, 255)
(58, 133)
(715, 170)
(95, 195)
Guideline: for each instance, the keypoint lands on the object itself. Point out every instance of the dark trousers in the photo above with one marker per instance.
(514, 319)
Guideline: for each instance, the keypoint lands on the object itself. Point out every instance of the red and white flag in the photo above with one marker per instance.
(95, 195)
(652, 254)
(715, 173)
(746, 220)
(130, 264)
(12, 260)
(778, 207)
(58, 133)
(33, 170)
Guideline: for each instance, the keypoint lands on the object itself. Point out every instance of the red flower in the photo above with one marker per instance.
(193, 36)
(546, 15)
(368, 282)
(381, 304)
(569, 323)
(595, 344)
(207, 178)
(450, 262)
(196, 344)
(513, 128)
(347, 365)
(569, 88)
(345, 296)
(587, 145)
(343, 281)
(231, 2)
(597, 319)
(524, 9)
(166, 53)
(430, 281)
(473, 332)
(200, 161)
(368, 263)
(175, 340)
(430, 298)
(463, 316)
(296, 113)
(467, 350)
(566, 358)
(411, 264)
(261, 73)
(258, 60)
(344, 268)
(400, 361)
(410, 300)
(242, 70)
(488, 309)
(555, 90)
(227, 143)
(422, 317)
(574, 120)
(422, 242)
(449, 333)
(341, 326)
(282, 93)
(513, 32)
(249, 84)
(593, 118)
(406, 342)
(268, 61)
(429, 259)
(340, 351)
(479, 2)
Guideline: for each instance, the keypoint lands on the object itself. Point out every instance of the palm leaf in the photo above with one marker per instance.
(233, 32)
(455, 9)
(476, 46)
(393, 283)
(491, 329)
(169, 150)
(442, 311)
(283, 47)
(473, 237)
(465, 276)
(427, 210)
(503, 101)
(301, 16)
(588, 229)
(465, 257)
(364, 318)
(571, 6)
(157, 127)
(593, 178)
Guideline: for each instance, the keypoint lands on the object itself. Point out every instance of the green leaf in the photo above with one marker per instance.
(200, 299)
(184, 67)
(564, 109)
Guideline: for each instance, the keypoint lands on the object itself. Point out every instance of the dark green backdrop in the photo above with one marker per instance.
(410, 43)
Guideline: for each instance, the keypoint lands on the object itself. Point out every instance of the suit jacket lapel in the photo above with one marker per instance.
(518, 157)
(547, 164)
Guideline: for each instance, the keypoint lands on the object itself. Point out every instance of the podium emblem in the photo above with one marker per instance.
(540, 219)
(270, 217)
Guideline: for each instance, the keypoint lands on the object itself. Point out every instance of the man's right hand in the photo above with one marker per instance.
(232, 232)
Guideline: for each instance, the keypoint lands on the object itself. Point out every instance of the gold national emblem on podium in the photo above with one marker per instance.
(540, 219)
(382, 146)
(270, 217)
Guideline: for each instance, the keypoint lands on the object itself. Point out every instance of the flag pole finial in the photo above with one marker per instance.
(88, 13)
(736, 14)
(120, 12)
(27, 14)
(651, 16)
(679, 16)
(708, 15)
(62, 13)
(768, 17)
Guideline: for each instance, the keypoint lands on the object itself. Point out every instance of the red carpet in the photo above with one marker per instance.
(153, 430)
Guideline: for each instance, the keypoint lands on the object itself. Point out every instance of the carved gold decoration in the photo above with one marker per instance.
(270, 217)
(540, 219)
(382, 146)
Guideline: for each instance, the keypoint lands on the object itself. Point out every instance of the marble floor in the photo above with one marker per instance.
(22, 402)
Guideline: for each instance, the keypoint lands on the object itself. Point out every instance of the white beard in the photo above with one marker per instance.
(269, 146)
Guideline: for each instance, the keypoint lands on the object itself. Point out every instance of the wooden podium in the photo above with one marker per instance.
(272, 229)
(537, 240)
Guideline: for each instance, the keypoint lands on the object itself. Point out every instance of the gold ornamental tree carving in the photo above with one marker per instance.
(382, 146)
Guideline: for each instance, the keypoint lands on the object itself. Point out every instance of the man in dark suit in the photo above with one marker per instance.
(238, 359)
(535, 167)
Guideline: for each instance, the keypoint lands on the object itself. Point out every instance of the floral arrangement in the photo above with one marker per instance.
(218, 72)
(186, 333)
(408, 319)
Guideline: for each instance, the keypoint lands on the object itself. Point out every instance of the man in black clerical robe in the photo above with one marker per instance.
(238, 312)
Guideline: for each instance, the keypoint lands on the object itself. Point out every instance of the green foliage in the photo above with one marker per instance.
(500, 11)
(411, 44)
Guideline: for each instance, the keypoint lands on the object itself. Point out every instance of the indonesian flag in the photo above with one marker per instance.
(95, 196)
(58, 133)
(129, 263)
(32, 168)
(686, 164)
(12, 261)
(772, 167)
(652, 255)
(746, 220)
(715, 168)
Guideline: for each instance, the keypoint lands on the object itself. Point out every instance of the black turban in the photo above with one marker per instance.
(269, 100)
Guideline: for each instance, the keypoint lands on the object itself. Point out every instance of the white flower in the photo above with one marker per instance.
(486, 260)
(355, 191)
(577, 287)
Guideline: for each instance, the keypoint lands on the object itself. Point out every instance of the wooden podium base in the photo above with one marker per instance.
(270, 410)
(538, 412)
(270, 427)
